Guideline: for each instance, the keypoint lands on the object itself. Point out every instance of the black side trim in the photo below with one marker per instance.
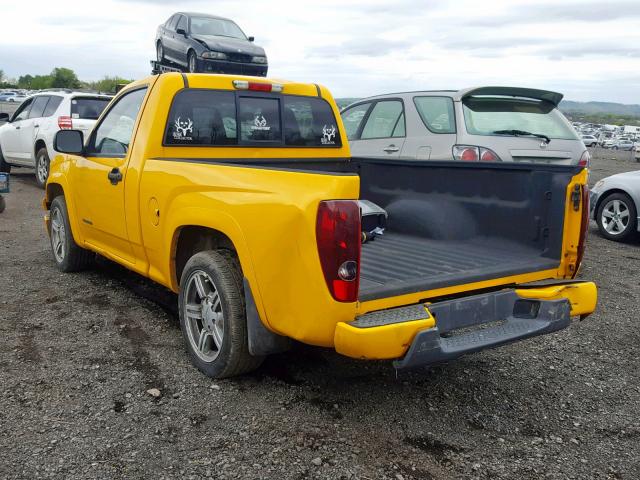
(318, 90)
(322, 166)
(185, 80)
(261, 341)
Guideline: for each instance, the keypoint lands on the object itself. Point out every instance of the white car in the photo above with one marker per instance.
(589, 140)
(26, 140)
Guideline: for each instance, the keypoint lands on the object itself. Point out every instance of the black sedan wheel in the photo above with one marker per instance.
(193, 62)
(160, 52)
(616, 217)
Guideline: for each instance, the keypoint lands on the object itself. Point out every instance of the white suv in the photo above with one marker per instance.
(26, 140)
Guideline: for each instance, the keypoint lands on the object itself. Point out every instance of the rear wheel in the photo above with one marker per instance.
(192, 62)
(616, 217)
(213, 316)
(42, 167)
(69, 257)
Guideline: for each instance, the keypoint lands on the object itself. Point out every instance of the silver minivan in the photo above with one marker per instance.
(491, 124)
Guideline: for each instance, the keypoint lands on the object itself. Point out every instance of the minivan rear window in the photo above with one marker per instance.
(489, 115)
(218, 118)
(88, 108)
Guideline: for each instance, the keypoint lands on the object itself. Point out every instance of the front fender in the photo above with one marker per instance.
(58, 176)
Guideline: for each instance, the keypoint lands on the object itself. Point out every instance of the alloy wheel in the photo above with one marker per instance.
(58, 235)
(615, 217)
(42, 169)
(204, 317)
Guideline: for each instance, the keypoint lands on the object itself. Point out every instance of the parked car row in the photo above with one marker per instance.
(12, 97)
(26, 140)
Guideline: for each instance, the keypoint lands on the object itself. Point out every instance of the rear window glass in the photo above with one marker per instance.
(309, 122)
(88, 108)
(218, 118)
(436, 113)
(52, 106)
(496, 116)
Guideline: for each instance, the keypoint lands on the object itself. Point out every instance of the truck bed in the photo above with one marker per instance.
(397, 263)
(455, 223)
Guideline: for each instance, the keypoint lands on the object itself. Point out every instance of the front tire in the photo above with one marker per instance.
(160, 52)
(192, 62)
(4, 166)
(616, 217)
(213, 317)
(42, 167)
(69, 257)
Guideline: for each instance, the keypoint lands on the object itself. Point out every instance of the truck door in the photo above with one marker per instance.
(101, 174)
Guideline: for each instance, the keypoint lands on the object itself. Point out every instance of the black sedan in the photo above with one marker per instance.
(206, 43)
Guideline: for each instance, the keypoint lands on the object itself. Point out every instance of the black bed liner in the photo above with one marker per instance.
(396, 263)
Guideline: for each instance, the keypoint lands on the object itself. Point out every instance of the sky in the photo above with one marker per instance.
(588, 50)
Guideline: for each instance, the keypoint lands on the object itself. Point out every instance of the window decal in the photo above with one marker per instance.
(328, 134)
(260, 123)
(182, 128)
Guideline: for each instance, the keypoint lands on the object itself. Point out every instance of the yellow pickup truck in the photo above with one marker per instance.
(240, 194)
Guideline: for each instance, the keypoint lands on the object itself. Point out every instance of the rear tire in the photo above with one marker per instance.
(616, 217)
(69, 257)
(42, 167)
(213, 317)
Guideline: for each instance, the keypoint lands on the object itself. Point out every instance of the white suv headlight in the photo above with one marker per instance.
(214, 55)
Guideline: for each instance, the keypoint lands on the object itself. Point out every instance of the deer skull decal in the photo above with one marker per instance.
(183, 127)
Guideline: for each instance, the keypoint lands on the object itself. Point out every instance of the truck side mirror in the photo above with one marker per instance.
(4, 117)
(69, 141)
(251, 39)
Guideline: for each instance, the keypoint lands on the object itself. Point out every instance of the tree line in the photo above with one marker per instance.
(60, 77)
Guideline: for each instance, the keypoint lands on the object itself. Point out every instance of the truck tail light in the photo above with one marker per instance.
(584, 228)
(65, 123)
(257, 86)
(338, 237)
(585, 159)
(471, 153)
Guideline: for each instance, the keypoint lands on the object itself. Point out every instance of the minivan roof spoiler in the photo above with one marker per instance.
(546, 95)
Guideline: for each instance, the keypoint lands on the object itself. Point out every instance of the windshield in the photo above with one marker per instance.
(216, 26)
(490, 115)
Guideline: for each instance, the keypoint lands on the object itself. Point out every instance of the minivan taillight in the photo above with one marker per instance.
(339, 240)
(65, 123)
(584, 228)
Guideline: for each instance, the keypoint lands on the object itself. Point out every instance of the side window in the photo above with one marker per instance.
(352, 118)
(202, 118)
(383, 119)
(399, 130)
(52, 106)
(39, 104)
(436, 113)
(259, 119)
(309, 122)
(23, 111)
(167, 24)
(174, 20)
(113, 135)
(183, 24)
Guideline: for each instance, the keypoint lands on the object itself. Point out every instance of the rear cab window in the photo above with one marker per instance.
(88, 108)
(204, 118)
(499, 115)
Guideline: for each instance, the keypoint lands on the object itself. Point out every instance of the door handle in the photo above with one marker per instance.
(391, 148)
(115, 176)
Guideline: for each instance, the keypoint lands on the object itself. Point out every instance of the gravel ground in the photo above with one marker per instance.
(80, 352)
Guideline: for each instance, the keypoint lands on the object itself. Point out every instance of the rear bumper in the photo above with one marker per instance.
(453, 328)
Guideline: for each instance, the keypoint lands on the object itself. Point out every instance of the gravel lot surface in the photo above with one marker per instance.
(80, 351)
